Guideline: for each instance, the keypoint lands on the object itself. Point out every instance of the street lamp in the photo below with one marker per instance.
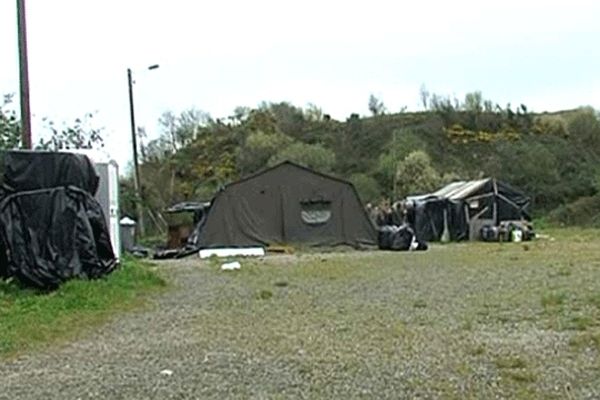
(136, 169)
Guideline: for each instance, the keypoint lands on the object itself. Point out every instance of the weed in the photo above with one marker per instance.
(420, 304)
(477, 351)
(265, 294)
(467, 325)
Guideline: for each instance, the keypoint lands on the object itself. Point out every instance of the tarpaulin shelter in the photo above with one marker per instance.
(460, 209)
(287, 203)
(51, 227)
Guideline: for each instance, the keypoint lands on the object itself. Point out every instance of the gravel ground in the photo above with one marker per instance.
(460, 321)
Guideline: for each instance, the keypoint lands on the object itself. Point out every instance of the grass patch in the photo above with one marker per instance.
(32, 318)
(553, 299)
(580, 322)
(595, 300)
(510, 363)
(520, 376)
(585, 340)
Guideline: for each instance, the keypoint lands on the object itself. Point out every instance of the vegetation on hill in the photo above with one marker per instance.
(552, 156)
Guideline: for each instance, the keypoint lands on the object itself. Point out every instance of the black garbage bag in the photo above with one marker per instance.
(399, 238)
(53, 235)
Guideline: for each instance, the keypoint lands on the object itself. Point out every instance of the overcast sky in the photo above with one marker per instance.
(217, 55)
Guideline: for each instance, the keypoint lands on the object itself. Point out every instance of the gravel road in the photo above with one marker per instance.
(364, 326)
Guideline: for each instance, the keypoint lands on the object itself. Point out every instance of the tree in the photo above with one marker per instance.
(474, 102)
(313, 113)
(424, 96)
(179, 131)
(416, 175)
(310, 155)
(258, 149)
(10, 126)
(376, 106)
(81, 134)
(367, 187)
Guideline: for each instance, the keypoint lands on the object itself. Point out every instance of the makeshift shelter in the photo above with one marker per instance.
(459, 210)
(180, 229)
(51, 227)
(287, 203)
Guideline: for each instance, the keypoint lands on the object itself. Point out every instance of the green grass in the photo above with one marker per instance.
(30, 319)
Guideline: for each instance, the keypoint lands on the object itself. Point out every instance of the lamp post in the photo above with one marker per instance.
(136, 169)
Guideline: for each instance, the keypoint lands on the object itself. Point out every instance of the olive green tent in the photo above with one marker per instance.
(287, 203)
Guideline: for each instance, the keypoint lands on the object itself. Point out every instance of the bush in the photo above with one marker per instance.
(584, 211)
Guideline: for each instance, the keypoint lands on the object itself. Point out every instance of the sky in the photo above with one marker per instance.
(217, 55)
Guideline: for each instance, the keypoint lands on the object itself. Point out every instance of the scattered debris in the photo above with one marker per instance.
(232, 266)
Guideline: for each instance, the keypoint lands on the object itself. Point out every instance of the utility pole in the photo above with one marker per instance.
(24, 77)
(137, 183)
(136, 168)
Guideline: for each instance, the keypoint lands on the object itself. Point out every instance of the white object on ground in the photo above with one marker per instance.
(166, 372)
(517, 235)
(231, 266)
(414, 244)
(232, 252)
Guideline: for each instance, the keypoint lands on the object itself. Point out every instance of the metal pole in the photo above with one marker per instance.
(24, 77)
(136, 169)
(395, 184)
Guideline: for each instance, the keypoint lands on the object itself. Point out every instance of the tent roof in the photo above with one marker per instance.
(300, 166)
(461, 189)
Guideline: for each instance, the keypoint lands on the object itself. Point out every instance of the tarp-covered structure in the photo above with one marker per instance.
(460, 209)
(287, 203)
(51, 227)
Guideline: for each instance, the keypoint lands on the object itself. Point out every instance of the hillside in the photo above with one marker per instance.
(552, 156)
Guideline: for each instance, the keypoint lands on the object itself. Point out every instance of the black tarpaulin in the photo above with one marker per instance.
(52, 235)
(399, 238)
(31, 170)
(51, 227)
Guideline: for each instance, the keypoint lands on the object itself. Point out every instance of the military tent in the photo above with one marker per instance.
(287, 203)
(460, 209)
